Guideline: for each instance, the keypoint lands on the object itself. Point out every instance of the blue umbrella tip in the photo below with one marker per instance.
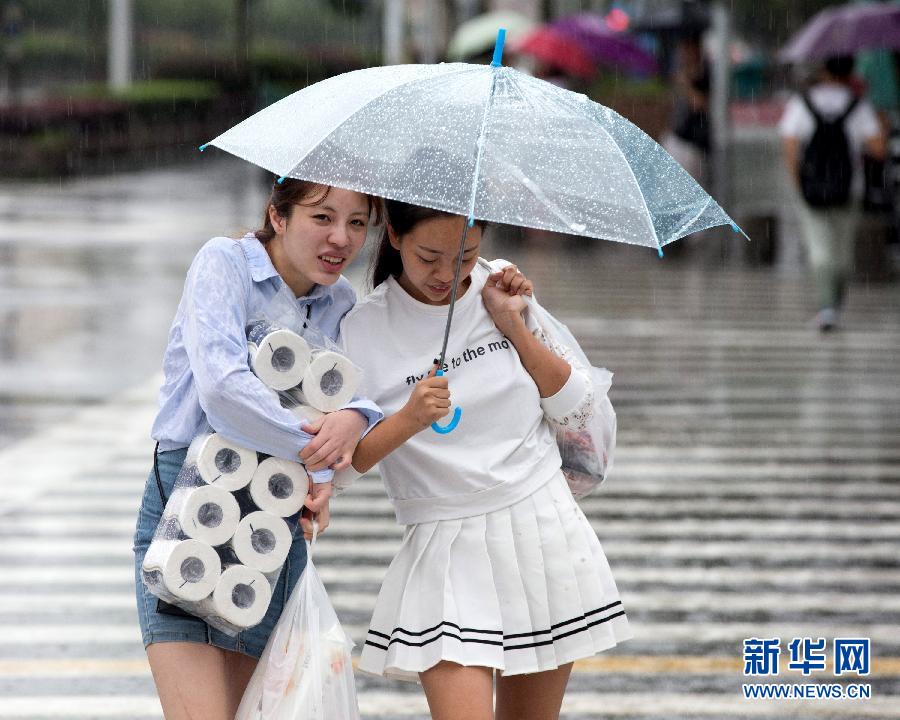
(282, 179)
(659, 250)
(735, 228)
(498, 48)
(471, 220)
(204, 146)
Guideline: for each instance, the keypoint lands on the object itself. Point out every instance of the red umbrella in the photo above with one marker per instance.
(554, 47)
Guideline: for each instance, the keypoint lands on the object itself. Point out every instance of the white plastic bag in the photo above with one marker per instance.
(587, 454)
(305, 672)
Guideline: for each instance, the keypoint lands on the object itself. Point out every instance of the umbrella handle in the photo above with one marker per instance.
(451, 426)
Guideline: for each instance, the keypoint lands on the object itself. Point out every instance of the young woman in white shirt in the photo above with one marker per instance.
(499, 571)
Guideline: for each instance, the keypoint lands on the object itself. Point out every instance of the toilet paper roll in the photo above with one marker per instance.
(241, 596)
(262, 541)
(207, 513)
(189, 568)
(279, 486)
(329, 383)
(222, 463)
(278, 357)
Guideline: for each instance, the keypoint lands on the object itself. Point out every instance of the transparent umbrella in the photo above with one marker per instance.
(483, 141)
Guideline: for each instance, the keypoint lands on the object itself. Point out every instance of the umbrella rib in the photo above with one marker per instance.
(678, 233)
(631, 170)
(479, 146)
(540, 195)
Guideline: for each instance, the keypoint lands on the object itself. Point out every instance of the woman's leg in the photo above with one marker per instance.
(197, 681)
(456, 692)
(535, 696)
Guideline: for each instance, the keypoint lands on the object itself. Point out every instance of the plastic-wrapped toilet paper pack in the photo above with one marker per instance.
(262, 541)
(278, 356)
(207, 513)
(330, 382)
(215, 553)
(279, 486)
(252, 555)
(220, 462)
(240, 597)
(305, 413)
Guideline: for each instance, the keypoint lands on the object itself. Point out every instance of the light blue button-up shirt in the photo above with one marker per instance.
(208, 380)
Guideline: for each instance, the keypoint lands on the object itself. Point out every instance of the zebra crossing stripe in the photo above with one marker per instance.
(413, 705)
(884, 667)
(14, 635)
(56, 603)
(121, 577)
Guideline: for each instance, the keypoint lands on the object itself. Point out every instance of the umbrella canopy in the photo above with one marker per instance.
(605, 45)
(554, 47)
(481, 141)
(477, 36)
(845, 30)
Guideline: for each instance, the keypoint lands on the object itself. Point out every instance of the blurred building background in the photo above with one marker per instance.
(91, 86)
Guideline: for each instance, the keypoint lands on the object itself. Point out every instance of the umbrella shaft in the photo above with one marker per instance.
(462, 248)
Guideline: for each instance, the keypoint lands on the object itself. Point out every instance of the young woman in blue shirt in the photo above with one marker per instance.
(311, 233)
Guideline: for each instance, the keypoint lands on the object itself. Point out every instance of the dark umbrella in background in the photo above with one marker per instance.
(579, 43)
(845, 30)
(605, 45)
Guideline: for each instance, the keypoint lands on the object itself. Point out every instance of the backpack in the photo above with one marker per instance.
(827, 166)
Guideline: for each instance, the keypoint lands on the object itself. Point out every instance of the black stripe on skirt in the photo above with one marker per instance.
(554, 636)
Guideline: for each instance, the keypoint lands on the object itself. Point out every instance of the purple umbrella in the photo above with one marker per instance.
(605, 45)
(845, 30)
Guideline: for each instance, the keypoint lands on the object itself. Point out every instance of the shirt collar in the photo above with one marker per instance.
(258, 260)
(262, 269)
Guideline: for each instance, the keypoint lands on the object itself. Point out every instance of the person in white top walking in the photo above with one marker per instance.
(825, 132)
(499, 570)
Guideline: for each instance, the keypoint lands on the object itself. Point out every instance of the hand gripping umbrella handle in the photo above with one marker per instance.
(451, 426)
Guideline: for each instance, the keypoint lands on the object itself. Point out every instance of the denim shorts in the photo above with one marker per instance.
(159, 627)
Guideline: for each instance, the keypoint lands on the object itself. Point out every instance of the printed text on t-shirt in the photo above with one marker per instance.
(468, 355)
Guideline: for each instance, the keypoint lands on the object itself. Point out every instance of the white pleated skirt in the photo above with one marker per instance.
(523, 589)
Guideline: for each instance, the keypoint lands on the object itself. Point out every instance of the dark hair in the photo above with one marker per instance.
(402, 218)
(302, 192)
(840, 67)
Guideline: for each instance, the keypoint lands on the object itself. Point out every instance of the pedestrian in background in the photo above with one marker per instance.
(826, 130)
(499, 571)
(689, 140)
(310, 234)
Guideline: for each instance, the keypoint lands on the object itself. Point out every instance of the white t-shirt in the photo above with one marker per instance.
(832, 100)
(503, 448)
